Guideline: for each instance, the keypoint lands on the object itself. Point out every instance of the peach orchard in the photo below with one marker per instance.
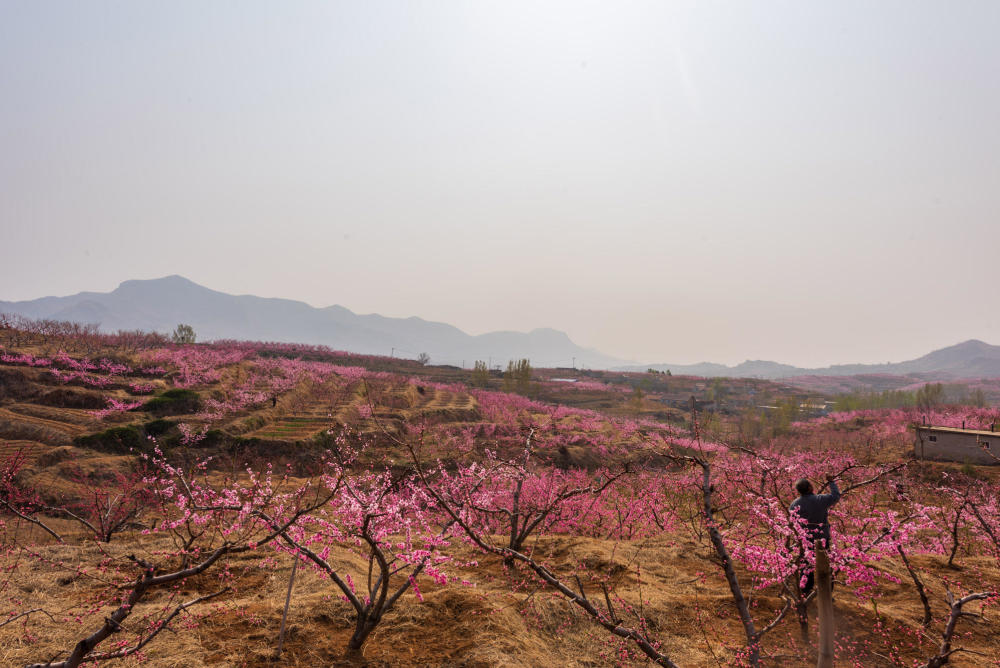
(414, 500)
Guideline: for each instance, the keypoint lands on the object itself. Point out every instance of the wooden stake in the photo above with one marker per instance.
(824, 599)
(288, 599)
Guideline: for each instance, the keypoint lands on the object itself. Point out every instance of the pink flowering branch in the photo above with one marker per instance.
(115, 406)
(16, 498)
(207, 522)
(83, 651)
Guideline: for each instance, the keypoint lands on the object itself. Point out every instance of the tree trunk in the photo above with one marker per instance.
(801, 610)
(362, 630)
(920, 587)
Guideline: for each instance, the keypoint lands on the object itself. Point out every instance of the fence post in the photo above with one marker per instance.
(824, 601)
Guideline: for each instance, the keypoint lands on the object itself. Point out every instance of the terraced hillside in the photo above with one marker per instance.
(302, 419)
(390, 405)
(30, 415)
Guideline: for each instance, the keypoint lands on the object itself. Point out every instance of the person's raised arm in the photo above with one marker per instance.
(834, 494)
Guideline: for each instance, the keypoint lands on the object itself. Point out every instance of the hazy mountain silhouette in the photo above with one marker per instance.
(971, 359)
(160, 304)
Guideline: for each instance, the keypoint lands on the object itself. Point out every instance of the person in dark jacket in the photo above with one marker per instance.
(814, 508)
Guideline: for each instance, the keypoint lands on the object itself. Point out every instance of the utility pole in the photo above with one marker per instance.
(393, 354)
(574, 362)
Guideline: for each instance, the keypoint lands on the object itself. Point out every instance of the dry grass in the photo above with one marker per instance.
(487, 624)
(16, 426)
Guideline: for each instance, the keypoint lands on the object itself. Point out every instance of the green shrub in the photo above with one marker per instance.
(173, 402)
(254, 422)
(158, 427)
(67, 397)
(970, 470)
(213, 437)
(117, 440)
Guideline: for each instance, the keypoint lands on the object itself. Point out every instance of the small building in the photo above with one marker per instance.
(951, 444)
(815, 408)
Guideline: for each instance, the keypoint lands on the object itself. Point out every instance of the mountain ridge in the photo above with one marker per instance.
(969, 359)
(160, 304)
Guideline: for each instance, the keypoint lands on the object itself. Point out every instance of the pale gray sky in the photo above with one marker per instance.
(800, 181)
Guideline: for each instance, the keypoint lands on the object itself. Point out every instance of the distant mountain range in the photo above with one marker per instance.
(160, 304)
(971, 359)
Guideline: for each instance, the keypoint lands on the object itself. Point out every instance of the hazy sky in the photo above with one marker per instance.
(800, 181)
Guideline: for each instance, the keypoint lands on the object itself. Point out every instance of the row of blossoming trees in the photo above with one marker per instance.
(175, 552)
(404, 526)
